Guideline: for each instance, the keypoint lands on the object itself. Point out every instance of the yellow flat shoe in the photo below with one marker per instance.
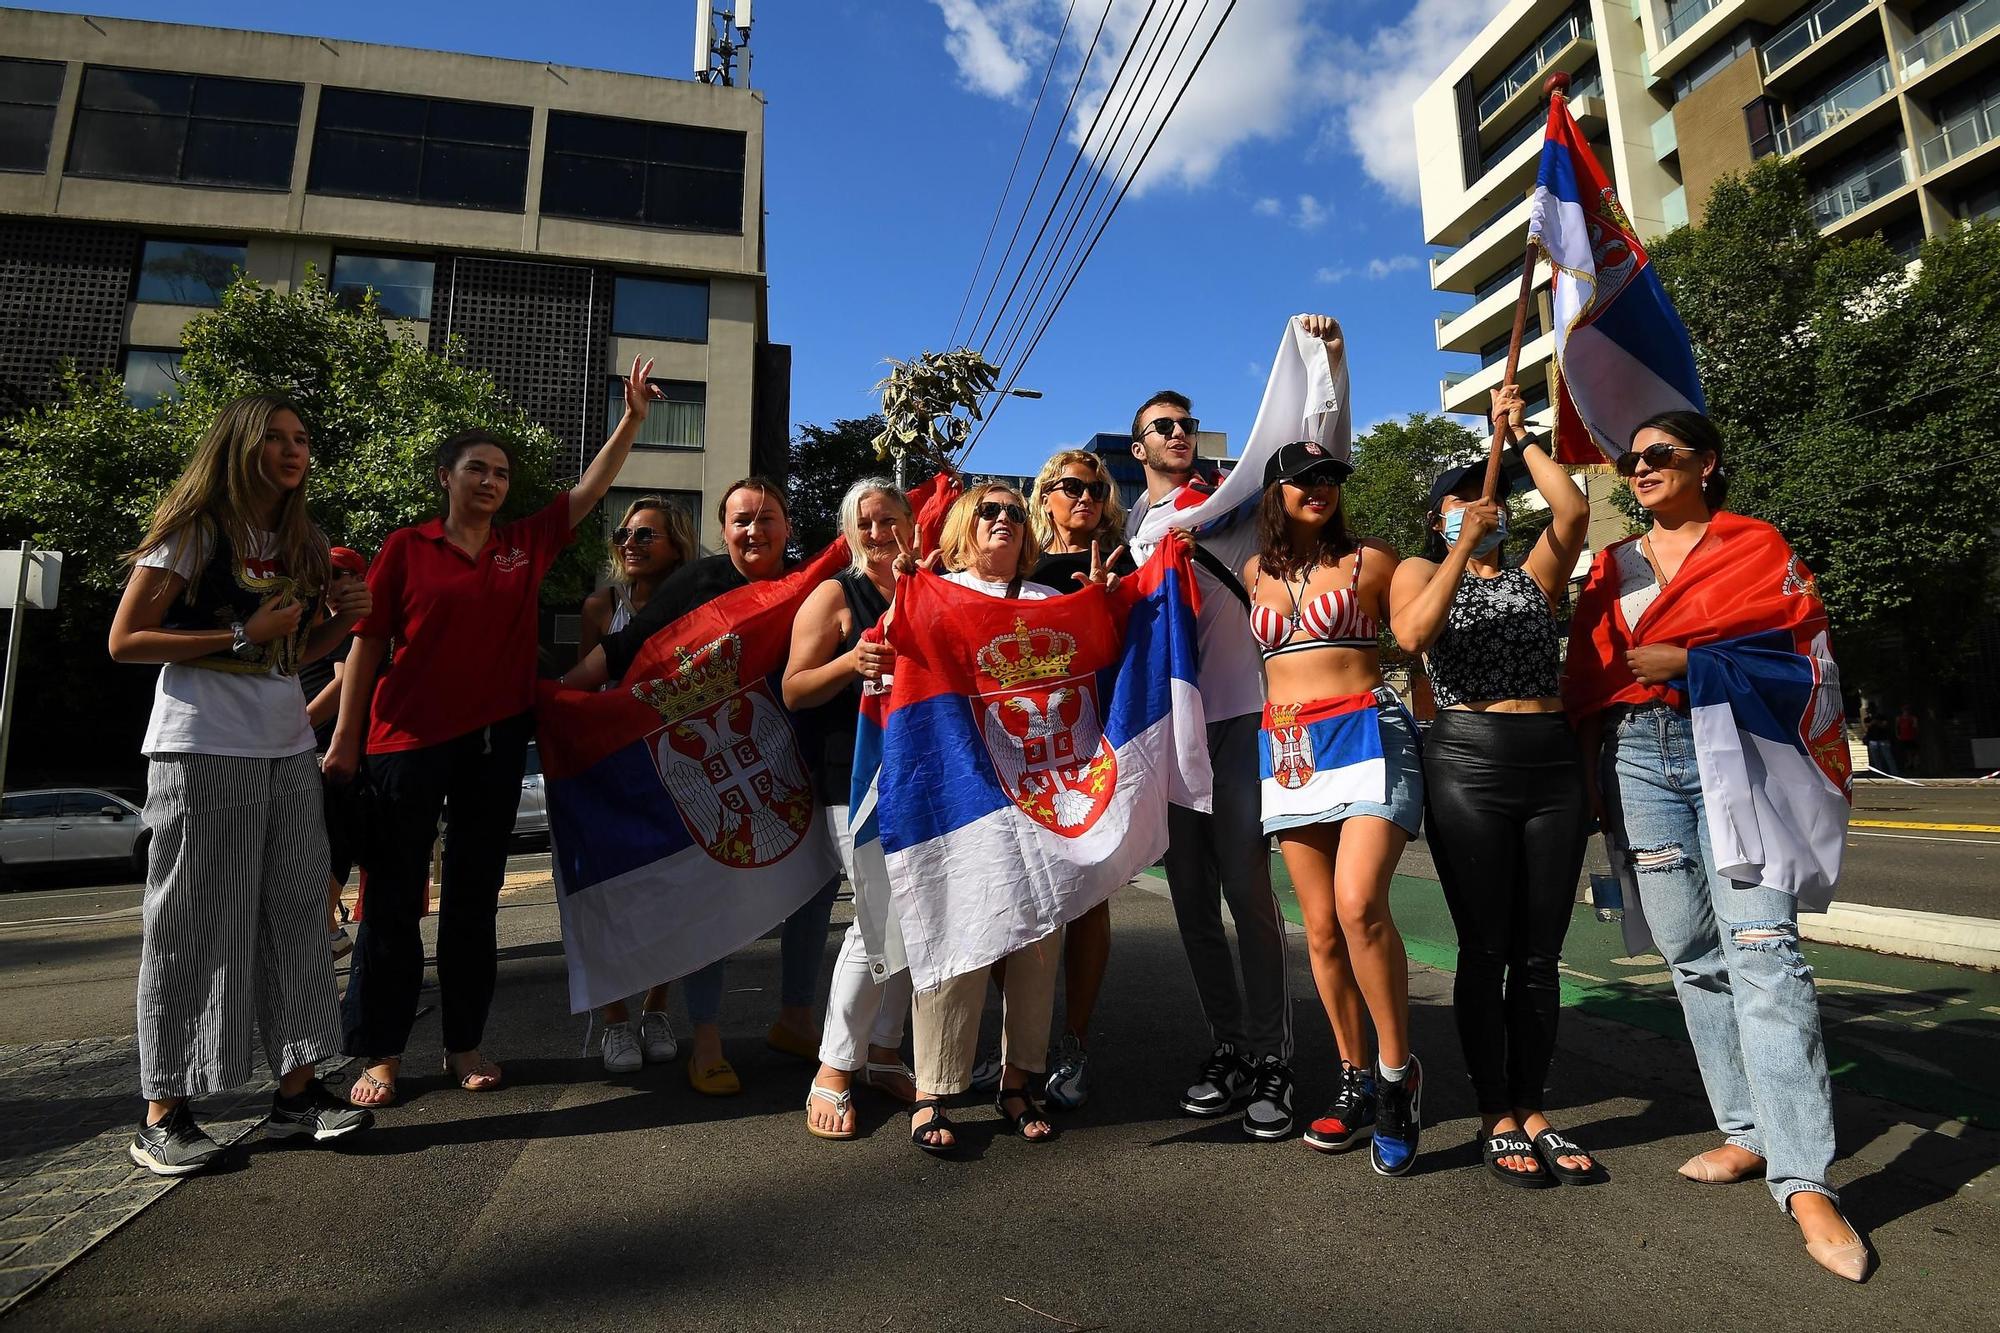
(787, 1042)
(717, 1080)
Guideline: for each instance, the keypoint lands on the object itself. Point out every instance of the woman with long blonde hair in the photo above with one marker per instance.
(225, 594)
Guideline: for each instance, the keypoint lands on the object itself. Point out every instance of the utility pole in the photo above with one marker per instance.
(13, 669)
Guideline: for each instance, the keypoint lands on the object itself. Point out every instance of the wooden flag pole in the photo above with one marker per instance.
(1556, 86)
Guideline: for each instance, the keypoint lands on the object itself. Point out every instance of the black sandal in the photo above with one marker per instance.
(1551, 1146)
(1513, 1143)
(935, 1105)
(1032, 1115)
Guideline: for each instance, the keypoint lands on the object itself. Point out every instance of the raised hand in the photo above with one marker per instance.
(1509, 410)
(1325, 328)
(1481, 518)
(1101, 573)
(640, 392)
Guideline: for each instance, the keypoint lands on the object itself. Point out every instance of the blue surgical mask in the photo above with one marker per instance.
(1454, 523)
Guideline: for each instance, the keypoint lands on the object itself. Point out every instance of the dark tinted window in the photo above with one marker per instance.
(421, 150)
(653, 308)
(194, 129)
(29, 90)
(35, 805)
(402, 287)
(675, 176)
(188, 272)
(85, 802)
(152, 375)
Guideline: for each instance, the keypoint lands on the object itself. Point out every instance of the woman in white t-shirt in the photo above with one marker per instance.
(223, 594)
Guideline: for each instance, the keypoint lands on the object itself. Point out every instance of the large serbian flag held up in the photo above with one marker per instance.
(1030, 751)
(1621, 352)
(680, 808)
(1762, 689)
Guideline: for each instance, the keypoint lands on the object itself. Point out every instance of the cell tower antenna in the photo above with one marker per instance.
(722, 42)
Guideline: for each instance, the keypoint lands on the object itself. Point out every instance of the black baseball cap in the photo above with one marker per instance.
(1513, 477)
(1302, 456)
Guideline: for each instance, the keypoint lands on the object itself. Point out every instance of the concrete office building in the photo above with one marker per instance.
(556, 221)
(1892, 107)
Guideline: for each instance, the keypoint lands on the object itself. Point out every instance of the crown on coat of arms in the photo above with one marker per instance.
(1027, 654)
(700, 679)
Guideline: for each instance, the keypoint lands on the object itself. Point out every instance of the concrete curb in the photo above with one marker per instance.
(1935, 936)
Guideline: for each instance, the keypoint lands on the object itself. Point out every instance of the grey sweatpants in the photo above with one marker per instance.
(1227, 850)
(235, 923)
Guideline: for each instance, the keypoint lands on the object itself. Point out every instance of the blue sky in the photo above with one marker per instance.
(1284, 183)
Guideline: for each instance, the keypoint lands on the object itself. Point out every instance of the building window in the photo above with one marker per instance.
(678, 423)
(655, 308)
(651, 175)
(189, 129)
(402, 287)
(29, 91)
(152, 375)
(188, 272)
(421, 150)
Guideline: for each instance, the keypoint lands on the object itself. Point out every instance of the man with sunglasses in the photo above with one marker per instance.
(1223, 855)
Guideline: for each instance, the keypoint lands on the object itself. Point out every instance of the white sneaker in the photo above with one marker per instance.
(621, 1052)
(656, 1038)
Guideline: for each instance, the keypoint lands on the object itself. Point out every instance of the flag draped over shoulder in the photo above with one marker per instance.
(1621, 352)
(1306, 398)
(1762, 690)
(1020, 768)
(681, 809)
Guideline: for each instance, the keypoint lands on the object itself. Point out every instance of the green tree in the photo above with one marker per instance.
(1858, 401)
(826, 460)
(1395, 462)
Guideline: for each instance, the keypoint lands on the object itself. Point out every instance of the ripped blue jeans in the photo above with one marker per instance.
(1746, 991)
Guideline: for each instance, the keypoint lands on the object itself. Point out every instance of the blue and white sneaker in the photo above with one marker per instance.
(986, 1074)
(1399, 1116)
(1069, 1081)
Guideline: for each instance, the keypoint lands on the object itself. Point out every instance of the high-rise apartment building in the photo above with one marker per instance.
(555, 222)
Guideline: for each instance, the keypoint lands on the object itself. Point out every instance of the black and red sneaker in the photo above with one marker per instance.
(1351, 1115)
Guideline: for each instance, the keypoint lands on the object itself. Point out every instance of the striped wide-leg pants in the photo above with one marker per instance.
(235, 923)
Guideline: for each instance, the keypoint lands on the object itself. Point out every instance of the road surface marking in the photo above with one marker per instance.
(1580, 976)
(123, 913)
(1918, 824)
(1917, 837)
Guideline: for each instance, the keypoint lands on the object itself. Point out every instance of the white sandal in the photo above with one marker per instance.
(842, 1103)
(872, 1074)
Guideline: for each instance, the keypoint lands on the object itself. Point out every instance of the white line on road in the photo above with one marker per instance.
(1918, 837)
(122, 913)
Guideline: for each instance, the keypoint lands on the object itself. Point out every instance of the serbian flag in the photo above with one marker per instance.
(1621, 352)
(681, 809)
(1020, 768)
(1316, 756)
(1762, 691)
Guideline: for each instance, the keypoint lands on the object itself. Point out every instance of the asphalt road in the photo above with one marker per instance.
(572, 1199)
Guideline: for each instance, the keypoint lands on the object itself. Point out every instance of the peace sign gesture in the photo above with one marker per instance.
(1100, 569)
(640, 392)
(908, 562)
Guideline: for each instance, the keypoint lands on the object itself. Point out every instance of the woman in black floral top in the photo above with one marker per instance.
(1505, 798)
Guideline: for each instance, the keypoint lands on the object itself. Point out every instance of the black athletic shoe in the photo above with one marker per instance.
(174, 1145)
(1224, 1081)
(1351, 1115)
(315, 1113)
(1269, 1115)
(1400, 1116)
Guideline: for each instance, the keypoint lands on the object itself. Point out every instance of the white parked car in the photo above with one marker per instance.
(531, 818)
(62, 827)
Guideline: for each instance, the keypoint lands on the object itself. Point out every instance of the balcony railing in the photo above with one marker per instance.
(1808, 123)
(1574, 28)
(1961, 134)
(1802, 35)
(1681, 17)
(1956, 29)
(1873, 182)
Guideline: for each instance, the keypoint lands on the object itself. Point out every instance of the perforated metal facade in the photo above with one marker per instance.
(63, 290)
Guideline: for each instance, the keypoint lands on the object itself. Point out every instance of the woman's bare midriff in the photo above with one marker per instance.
(1322, 673)
(1549, 705)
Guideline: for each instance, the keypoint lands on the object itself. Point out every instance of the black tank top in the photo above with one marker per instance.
(1500, 641)
(835, 720)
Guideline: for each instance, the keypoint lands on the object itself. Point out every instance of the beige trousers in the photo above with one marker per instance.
(945, 1022)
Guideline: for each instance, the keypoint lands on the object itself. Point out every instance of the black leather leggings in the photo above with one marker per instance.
(1506, 816)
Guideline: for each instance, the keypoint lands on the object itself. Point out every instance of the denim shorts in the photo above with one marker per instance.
(1404, 765)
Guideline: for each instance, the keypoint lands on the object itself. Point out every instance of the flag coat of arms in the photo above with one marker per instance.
(1019, 770)
(1621, 352)
(1315, 756)
(681, 809)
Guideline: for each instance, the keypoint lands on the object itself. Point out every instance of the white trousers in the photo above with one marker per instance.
(868, 1005)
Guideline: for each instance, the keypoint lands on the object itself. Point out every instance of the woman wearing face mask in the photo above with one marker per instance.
(755, 529)
(1073, 507)
(1699, 576)
(651, 541)
(869, 1003)
(1504, 794)
(1317, 596)
(459, 597)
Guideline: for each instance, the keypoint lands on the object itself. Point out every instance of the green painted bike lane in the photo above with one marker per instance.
(1924, 1034)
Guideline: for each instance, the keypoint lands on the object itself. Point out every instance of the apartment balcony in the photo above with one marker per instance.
(1957, 31)
(1962, 137)
(1567, 47)
(1682, 17)
(1808, 32)
(1842, 204)
(1514, 173)
(1843, 104)
(1505, 235)
(1467, 391)
(1493, 314)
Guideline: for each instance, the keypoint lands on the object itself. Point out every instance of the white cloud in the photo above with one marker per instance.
(1267, 207)
(992, 42)
(1382, 268)
(1330, 274)
(1383, 75)
(1311, 213)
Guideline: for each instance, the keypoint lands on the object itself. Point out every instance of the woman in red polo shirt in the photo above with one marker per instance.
(449, 725)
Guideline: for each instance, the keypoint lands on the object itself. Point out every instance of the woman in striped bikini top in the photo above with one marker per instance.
(1334, 619)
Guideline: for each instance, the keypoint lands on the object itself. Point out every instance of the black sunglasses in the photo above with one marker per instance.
(1076, 488)
(994, 509)
(1164, 427)
(1319, 475)
(1658, 457)
(633, 536)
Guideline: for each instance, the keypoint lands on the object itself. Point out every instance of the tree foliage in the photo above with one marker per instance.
(1858, 403)
(929, 405)
(826, 460)
(1395, 462)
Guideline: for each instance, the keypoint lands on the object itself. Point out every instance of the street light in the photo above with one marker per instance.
(1024, 393)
